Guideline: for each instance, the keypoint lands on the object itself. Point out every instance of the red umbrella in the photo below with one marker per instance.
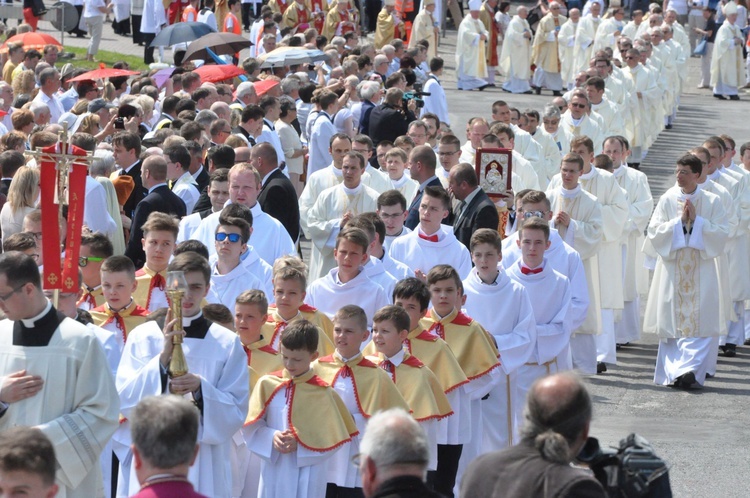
(218, 72)
(104, 72)
(31, 40)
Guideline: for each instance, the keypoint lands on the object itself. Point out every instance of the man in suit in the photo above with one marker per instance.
(159, 198)
(475, 209)
(199, 172)
(126, 147)
(277, 197)
(164, 430)
(558, 415)
(10, 161)
(422, 163)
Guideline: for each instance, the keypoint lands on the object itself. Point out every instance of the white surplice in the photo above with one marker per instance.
(420, 254)
(221, 363)
(328, 294)
(225, 288)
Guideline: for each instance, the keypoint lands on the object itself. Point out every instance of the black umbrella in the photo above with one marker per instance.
(219, 43)
(181, 33)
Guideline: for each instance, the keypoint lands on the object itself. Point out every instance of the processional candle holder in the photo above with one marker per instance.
(175, 288)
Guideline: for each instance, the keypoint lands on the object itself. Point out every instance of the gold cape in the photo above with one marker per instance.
(275, 323)
(261, 360)
(420, 388)
(373, 389)
(145, 279)
(318, 418)
(126, 320)
(467, 339)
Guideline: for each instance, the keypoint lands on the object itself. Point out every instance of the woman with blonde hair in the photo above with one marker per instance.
(24, 83)
(80, 107)
(22, 199)
(13, 140)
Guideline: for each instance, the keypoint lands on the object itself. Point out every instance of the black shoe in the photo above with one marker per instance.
(668, 126)
(556, 93)
(710, 376)
(734, 97)
(491, 85)
(481, 88)
(747, 342)
(538, 90)
(687, 380)
(720, 97)
(601, 367)
(730, 350)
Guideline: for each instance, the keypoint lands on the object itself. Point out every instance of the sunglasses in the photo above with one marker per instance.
(233, 237)
(84, 260)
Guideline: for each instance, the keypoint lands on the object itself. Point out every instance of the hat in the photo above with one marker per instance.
(475, 4)
(262, 87)
(124, 186)
(67, 70)
(97, 105)
(730, 8)
(68, 118)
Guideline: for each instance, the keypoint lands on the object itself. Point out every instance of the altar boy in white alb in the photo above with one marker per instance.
(549, 292)
(687, 232)
(217, 380)
(431, 243)
(348, 283)
(502, 306)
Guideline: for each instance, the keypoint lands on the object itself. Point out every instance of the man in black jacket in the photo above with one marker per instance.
(10, 161)
(558, 415)
(159, 198)
(422, 164)
(394, 453)
(390, 120)
(475, 209)
(126, 147)
(277, 197)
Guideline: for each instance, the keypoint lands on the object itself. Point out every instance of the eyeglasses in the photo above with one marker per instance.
(84, 260)
(532, 214)
(233, 237)
(10, 294)
(578, 106)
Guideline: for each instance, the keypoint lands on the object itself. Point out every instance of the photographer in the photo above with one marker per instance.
(391, 119)
(558, 415)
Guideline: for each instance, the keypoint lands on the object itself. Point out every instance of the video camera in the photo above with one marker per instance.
(416, 95)
(631, 471)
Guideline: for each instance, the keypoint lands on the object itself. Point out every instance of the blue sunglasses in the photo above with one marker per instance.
(233, 237)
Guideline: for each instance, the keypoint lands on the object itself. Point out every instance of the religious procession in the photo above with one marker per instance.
(362, 248)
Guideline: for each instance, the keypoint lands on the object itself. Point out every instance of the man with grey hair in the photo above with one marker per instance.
(370, 94)
(245, 95)
(205, 118)
(393, 456)
(558, 416)
(380, 64)
(41, 112)
(49, 84)
(164, 430)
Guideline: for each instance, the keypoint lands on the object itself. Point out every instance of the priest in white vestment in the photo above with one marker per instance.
(566, 46)
(515, 57)
(546, 51)
(577, 216)
(686, 234)
(585, 36)
(579, 124)
(217, 381)
(609, 30)
(726, 62)
(333, 208)
(471, 61)
(647, 92)
(56, 378)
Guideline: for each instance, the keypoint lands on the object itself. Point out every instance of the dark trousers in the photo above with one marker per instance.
(136, 22)
(77, 30)
(247, 15)
(148, 52)
(333, 491)
(443, 479)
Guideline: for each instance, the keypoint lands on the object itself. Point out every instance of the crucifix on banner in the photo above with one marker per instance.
(63, 169)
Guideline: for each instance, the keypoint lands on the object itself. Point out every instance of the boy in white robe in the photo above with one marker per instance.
(269, 238)
(686, 234)
(395, 160)
(334, 208)
(374, 267)
(504, 309)
(229, 277)
(392, 210)
(217, 380)
(95, 248)
(431, 243)
(296, 421)
(377, 250)
(550, 293)
(55, 378)
(348, 283)
(159, 238)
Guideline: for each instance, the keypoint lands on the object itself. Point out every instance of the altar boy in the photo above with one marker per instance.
(364, 388)
(296, 421)
(503, 307)
(550, 297)
(159, 237)
(217, 381)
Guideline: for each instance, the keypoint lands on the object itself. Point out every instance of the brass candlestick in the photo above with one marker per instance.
(176, 287)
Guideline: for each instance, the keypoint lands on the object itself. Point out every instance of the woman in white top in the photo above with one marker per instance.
(22, 199)
(294, 151)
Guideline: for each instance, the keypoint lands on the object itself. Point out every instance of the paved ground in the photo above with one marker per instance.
(703, 434)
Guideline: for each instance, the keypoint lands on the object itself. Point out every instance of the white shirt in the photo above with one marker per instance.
(55, 106)
(186, 189)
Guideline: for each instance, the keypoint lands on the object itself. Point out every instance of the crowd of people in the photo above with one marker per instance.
(422, 296)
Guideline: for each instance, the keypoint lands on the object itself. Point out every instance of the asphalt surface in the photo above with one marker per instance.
(702, 434)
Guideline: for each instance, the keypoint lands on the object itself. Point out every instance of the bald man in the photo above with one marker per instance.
(277, 197)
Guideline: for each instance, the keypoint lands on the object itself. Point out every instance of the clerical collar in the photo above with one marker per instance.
(398, 358)
(29, 322)
(338, 356)
(569, 194)
(187, 320)
(352, 191)
(400, 182)
(591, 174)
(157, 186)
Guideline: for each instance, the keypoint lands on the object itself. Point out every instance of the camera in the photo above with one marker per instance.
(119, 123)
(416, 95)
(631, 471)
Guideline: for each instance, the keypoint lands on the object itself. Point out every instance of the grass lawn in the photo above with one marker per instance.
(108, 58)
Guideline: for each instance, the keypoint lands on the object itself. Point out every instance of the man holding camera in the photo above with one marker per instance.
(391, 119)
(558, 415)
